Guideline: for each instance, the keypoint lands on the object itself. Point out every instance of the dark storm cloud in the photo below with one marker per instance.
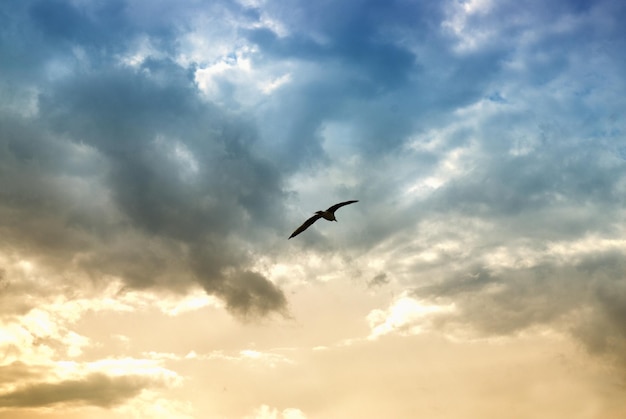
(95, 389)
(176, 178)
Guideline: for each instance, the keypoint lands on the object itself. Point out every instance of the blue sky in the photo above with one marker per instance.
(156, 155)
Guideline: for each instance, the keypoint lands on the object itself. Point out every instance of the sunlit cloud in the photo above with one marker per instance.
(141, 50)
(244, 356)
(269, 86)
(407, 316)
(235, 64)
(152, 404)
(267, 412)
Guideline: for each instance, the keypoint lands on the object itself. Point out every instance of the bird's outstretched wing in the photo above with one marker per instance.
(305, 225)
(339, 205)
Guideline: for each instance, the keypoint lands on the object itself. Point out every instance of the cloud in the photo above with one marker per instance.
(128, 172)
(580, 298)
(378, 279)
(270, 359)
(154, 159)
(17, 370)
(152, 404)
(95, 389)
(115, 160)
(406, 316)
(266, 412)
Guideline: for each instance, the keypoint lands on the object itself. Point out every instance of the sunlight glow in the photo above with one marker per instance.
(266, 412)
(237, 61)
(407, 316)
(470, 37)
(271, 85)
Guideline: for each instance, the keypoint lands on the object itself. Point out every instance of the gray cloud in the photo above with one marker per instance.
(249, 294)
(15, 371)
(378, 280)
(129, 172)
(95, 389)
(585, 297)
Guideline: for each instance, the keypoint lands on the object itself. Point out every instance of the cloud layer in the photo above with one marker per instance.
(125, 171)
(163, 147)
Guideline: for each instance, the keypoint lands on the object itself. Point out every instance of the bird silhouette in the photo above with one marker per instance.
(329, 215)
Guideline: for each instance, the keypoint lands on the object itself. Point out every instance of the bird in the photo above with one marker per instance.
(329, 215)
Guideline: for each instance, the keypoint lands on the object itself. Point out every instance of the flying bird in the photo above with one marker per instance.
(329, 215)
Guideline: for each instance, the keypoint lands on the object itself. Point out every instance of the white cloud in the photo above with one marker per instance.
(139, 51)
(249, 357)
(39, 335)
(470, 37)
(235, 65)
(235, 69)
(267, 412)
(273, 84)
(46, 330)
(267, 358)
(406, 316)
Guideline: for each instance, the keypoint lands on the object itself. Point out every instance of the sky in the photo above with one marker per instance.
(155, 155)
